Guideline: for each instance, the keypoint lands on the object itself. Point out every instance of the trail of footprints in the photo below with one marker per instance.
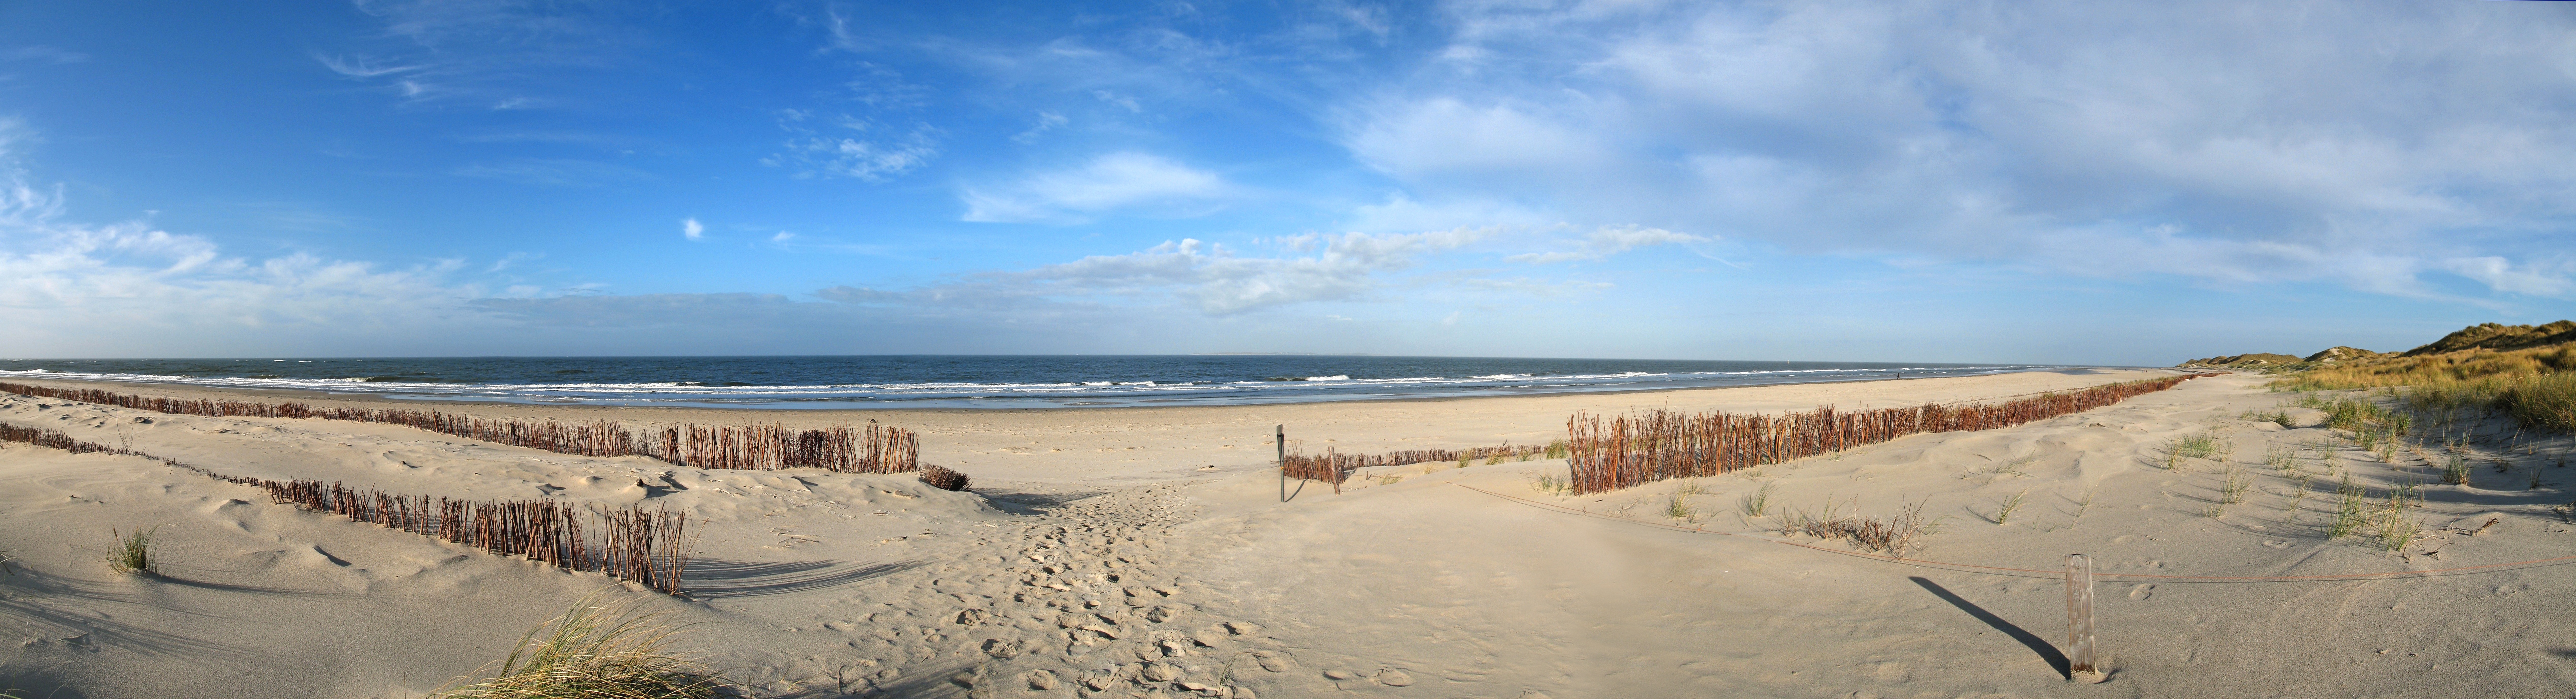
(1081, 601)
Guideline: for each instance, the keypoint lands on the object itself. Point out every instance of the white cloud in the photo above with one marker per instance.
(2068, 135)
(1611, 240)
(127, 289)
(2503, 275)
(1210, 279)
(1124, 181)
(691, 229)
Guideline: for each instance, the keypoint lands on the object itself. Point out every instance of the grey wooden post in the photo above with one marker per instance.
(2080, 644)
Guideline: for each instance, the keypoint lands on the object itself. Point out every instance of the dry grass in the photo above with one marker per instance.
(943, 478)
(596, 650)
(1894, 536)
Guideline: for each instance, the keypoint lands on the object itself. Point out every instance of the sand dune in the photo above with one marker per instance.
(1140, 551)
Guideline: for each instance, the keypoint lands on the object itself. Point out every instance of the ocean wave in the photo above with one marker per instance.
(437, 380)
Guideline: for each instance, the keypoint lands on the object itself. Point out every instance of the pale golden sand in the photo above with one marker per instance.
(1102, 549)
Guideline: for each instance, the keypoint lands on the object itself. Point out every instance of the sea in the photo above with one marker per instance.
(954, 381)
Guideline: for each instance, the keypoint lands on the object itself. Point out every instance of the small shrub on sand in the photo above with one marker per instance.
(943, 478)
(597, 650)
(133, 552)
(1552, 483)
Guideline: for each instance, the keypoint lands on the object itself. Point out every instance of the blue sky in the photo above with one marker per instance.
(2014, 182)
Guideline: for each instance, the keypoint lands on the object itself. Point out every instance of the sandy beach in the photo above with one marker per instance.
(1146, 552)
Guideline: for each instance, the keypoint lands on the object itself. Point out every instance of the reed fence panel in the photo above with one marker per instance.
(1625, 451)
(869, 448)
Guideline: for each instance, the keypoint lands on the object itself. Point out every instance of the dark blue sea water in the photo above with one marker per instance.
(943, 381)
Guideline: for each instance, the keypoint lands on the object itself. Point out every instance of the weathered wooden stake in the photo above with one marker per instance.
(2080, 647)
(1280, 439)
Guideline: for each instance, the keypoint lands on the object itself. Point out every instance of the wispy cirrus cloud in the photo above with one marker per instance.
(43, 54)
(495, 52)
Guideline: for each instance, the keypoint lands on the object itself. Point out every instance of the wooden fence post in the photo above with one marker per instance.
(2080, 646)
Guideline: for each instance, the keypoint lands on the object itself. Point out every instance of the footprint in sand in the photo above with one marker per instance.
(2142, 592)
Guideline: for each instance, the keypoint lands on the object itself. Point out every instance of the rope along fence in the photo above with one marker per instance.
(2049, 574)
(1615, 452)
(630, 543)
(870, 448)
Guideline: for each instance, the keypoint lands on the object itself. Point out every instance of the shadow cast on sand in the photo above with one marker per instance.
(2047, 651)
(1026, 503)
(718, 578)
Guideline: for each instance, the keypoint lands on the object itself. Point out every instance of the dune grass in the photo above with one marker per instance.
(1552, 484)
(2011, 503)
(2537, 386)
(1679, 507)
(2199, 446)
(2455, 470)
(2347, 517)
(1758, 502)
(597, 650)
(2232, 487)
(132, 552)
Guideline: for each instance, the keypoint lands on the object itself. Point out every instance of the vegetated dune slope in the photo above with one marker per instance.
(1081, 573)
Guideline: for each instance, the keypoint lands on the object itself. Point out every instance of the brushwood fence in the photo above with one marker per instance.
(630, 543)
(1615, 452)
(869, 448)
(1335, 467)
